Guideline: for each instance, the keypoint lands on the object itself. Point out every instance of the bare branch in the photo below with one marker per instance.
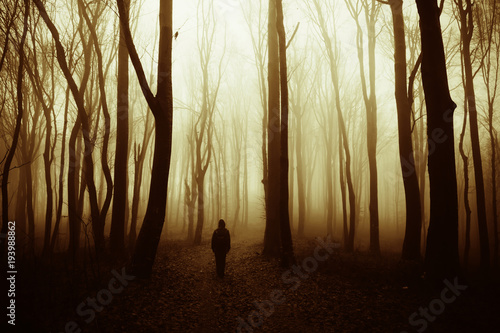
(293, 35)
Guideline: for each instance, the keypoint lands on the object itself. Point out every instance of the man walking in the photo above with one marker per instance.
(221, 243)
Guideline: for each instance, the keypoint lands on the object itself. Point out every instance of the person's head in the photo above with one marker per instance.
(222, 224)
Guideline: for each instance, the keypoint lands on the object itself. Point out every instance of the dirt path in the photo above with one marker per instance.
(185, 294)
(348, 293)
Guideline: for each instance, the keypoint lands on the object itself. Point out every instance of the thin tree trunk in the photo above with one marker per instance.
(245, 176)
(466, 31)
(82, 116)
(98, 226)
(371, 111)
(465, 160)
(345, 227)
(411, 245)
(349, 243)
(200, 180)
(15, 138)
(55, 233)
(300, 176)
(73, 167)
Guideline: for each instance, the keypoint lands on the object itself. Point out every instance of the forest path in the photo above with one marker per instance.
(185, 295)
(347, 293)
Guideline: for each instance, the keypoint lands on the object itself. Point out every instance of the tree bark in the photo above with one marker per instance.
(161, 106)
(465, 160)
(287, 256)
(411, 244)
(117, 232)
(441, 258)
(370, 102)
(272, 241)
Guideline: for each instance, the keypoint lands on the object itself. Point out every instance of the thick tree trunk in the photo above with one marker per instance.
(139, 156)
(422, 182)
(73, 215)
(272, 232)
(287, 256)
(441, 258)
(117, 232)
(162, 108)
(149, 235)
(138, 163)
(265, 163)
(411, 245)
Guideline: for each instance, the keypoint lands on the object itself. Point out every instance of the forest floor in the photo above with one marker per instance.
(344, 293)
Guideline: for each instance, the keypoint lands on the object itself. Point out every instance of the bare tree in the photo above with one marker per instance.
(117, 233)
(15, 138)
(41, 93)
(259, 48)
(466, 23)
(161, 107)
(441, 258)
(8, 19)
(488, 26)
(287, 256)
(204, 126)
(107, 125)
(411, 245)
(299, 107)
(272, 232)
(371, 9)
(333, 57)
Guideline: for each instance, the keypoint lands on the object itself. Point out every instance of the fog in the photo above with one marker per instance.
(229, 165)
(220, 101)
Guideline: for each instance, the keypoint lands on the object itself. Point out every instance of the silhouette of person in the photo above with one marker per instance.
(221, 243)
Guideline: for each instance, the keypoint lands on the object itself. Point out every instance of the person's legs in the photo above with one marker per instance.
(220, 263)
(223, 264)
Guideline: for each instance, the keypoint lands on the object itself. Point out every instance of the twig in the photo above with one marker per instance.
(293, 35)
(17, 166)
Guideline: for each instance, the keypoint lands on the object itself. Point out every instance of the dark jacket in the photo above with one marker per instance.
(221, 240)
